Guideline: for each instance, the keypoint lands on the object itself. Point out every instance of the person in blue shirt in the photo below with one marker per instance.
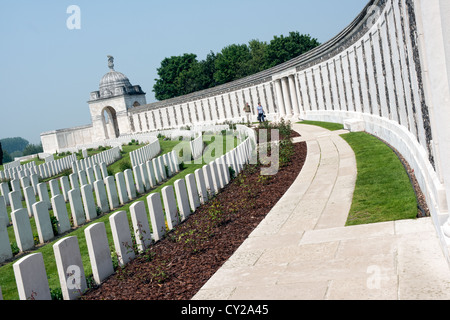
(260, 110)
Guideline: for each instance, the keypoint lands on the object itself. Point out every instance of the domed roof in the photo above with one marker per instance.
(114, 84)
(114, 79)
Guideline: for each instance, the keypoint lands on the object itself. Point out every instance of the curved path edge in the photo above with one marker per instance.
(303, 250)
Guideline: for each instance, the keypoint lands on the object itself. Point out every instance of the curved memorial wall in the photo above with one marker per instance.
(379, 75)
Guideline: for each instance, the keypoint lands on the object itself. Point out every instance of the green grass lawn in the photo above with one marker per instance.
(326, 125)
(383, 190)
(7, 279)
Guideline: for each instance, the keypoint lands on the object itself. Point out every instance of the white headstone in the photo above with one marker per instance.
(70, 268)
(174, 156)
(162, 168)
(34, 182)
(170, 206)
(141, 225)
(15, 199)
(65, 187)
(122, 237)
(97, 172)
(191, 186)
(104, 170)
(90, 175)
(4, 219)
(121, 188)
(99, 254)
(208, 180)
(131, 188)
(100, 194)
(111, 191)
(156, 216)
(138, 180)
(54, 187)
(22, 229)
(182, 199)
(220, 174)
(30, 199)
(157, 170)
(76, 207)
(43, 194)
(73, 177)
(15, 186)
(61, 214)
(201, 186)
(82, 178)
(31, 278)
(5, 245)
(90, 209)
(215, 177)
(43, 224)
(4, 189)
(151, 173)
(145, 177)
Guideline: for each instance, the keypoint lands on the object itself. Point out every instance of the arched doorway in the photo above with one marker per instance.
(110, 125)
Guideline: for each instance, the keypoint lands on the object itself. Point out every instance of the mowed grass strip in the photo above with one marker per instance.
(326, 125)
(383, 190)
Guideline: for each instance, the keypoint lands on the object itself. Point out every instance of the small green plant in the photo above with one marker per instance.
(232, 172)
(264, 180)
(110, 171)
(36, 239)
(216, 213)
(56, 294)
(54, 221)
(14, 248)
(115, 260)
(159, 274)
(124, 165)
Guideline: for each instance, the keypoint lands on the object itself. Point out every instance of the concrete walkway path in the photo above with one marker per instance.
(302, 249)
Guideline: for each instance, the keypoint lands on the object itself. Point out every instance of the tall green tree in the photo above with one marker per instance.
(282, 49)
(1, 154)
(232, 63)
(180, 75)
(6, 157)
(257, 62)
(14, 144)
(32, 149)
(169, 85)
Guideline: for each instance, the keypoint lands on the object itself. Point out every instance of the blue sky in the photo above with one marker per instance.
(47, 71)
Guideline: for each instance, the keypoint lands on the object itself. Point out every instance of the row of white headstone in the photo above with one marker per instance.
(180, 201)
(86, 182)
(108, 156)
(83, 171)
(12, 164)
(114, 142)
(44, 171)
(145, 153)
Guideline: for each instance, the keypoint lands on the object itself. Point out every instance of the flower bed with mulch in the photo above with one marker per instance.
(176, 267)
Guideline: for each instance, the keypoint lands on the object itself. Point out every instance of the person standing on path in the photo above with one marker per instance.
(247, 111)
(260, 112)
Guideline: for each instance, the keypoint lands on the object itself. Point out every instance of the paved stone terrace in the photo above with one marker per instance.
(302, 250)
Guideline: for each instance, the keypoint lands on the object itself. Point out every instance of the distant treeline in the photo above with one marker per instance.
(180, 75)
(16, 147)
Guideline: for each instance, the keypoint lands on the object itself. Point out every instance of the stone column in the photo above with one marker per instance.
(286, 96)
(293, 91)
(280, 101)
